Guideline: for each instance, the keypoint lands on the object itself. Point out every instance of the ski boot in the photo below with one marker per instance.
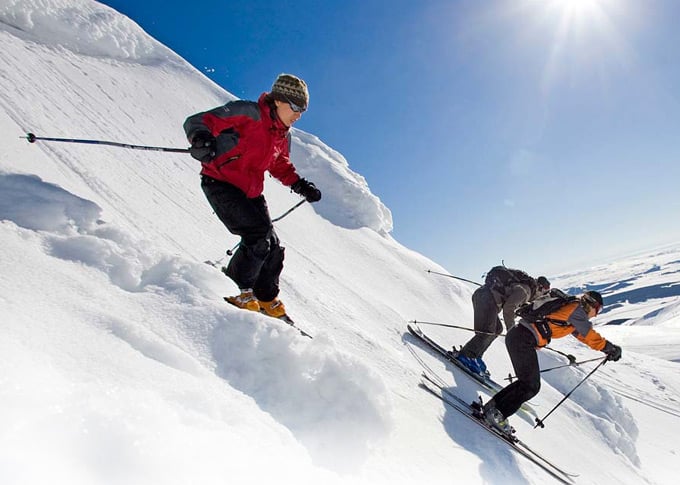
(246, 300)
(273, 308)
(470, 364)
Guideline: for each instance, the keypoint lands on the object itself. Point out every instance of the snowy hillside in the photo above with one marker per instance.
(642, 290)
(122, 364)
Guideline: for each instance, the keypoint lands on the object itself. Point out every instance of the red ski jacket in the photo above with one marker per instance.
(250, 139)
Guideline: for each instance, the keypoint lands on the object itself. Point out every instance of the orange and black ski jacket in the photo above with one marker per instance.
(571, 319)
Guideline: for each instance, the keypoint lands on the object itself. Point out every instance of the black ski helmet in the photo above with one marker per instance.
(594, 299)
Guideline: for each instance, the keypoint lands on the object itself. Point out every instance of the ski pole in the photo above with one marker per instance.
(511, 377)
(32, 139)
(569, 357)
(454, 277)
(539, 422)
(570, 364)
(289, 210)
(230, 252)
(448, 325)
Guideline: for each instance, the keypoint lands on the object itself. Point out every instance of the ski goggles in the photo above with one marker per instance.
(296, 108)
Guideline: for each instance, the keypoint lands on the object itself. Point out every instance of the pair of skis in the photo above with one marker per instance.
(430, 384)
(484, 380)
(435, 385)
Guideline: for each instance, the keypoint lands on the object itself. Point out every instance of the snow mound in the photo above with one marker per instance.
(347, 200)
(608, 414)
(84, 27)
(335, 405)
(34, 204)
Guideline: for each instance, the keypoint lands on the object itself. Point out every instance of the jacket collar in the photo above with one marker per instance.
(270, 115)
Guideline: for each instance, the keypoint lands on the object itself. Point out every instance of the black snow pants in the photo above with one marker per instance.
(258, 261)
(486, 320)
(521, 345)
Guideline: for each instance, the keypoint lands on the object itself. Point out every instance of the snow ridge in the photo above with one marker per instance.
(83, 27)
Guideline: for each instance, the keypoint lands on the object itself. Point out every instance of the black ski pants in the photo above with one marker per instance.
(486, 320)
(258, 261)
(521, 345)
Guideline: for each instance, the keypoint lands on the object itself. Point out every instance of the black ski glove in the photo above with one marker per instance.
(613, 351)
(306, 189)
(202, 147)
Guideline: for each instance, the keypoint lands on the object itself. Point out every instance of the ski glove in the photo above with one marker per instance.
(202, 147)
(613, 351)
(306, 189)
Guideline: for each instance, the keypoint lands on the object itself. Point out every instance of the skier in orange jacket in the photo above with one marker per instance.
(524, 338)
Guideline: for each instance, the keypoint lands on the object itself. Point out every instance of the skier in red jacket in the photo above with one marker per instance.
(236, 143)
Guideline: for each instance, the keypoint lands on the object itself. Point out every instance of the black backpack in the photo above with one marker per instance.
(536, 311)
(500, 278)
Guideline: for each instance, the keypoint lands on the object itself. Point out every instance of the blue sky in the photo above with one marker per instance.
(543, 133)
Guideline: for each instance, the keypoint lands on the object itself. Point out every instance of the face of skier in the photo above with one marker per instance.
(288, 113)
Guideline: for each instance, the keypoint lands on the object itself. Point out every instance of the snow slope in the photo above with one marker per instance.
(121, 363)
(642, 290)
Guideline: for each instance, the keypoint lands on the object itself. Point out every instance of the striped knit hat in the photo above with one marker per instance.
(290, 88)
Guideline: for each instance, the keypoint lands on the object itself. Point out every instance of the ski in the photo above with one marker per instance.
(283, 318)
(512, 441)
(485, 381)
(289, 321)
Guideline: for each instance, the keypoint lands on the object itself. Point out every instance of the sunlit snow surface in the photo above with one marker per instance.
(122, 364)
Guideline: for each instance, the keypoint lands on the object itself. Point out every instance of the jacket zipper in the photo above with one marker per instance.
(229, 160)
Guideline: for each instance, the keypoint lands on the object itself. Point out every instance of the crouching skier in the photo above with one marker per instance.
(236, 143)
(504, 289)
(522, 341)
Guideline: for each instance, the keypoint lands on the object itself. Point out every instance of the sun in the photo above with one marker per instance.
(577, 3)
(577, 8)
(578, 15)
(581, 23)
(581, 38)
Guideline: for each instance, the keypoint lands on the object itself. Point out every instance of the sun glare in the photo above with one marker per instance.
(583, 36)
(577, 8)
(574, 44)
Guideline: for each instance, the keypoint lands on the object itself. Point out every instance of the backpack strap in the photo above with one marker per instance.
(562, 315)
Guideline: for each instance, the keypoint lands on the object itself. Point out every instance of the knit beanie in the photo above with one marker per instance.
(290, 88)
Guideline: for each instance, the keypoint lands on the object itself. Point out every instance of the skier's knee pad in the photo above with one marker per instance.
(260, 248)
